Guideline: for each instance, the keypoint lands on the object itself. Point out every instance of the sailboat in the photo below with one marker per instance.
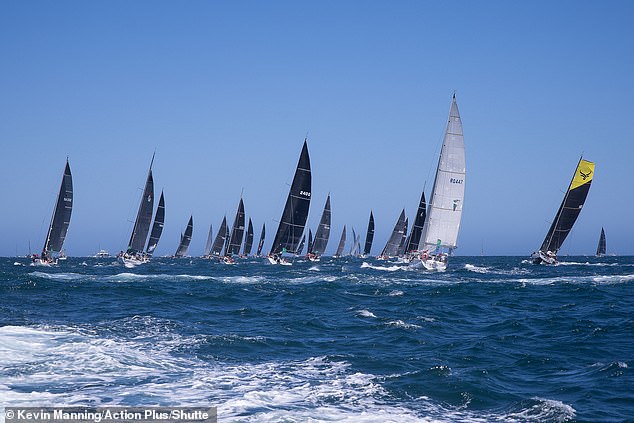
(404, 240)
(186, 238)
(207, 250)
(318, 246)
(355, 250)
(369, 236)
(248, 240)
(391, 247)
(601, 246)
(567, 214)
(417, 229)
(237, 231)
(261, 243)
(220, 240)
(157, 227)
(342, 243)
(442, 223)
(60, 221)
(295, 212)
(134, 254)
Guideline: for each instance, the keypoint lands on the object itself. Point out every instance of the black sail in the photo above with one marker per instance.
(601, 248)
(323, 230)
(342, 242)
(185, 239)
(237, 231)
(219, 242)
(157, 226)
(143, 216)
(417, 228)
(61, 215)
(309, 250)
(570, 207)
(391, 247)
(369, 237)
(295, 212)
(248, 239)
(404, 239)
(262, 236)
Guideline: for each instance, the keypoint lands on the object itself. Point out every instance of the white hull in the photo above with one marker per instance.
(540, 257)
(436, 263)
(131, 262)
(281, 261)
(40, 262)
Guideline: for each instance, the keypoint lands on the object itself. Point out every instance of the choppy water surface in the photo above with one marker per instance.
(492, 339)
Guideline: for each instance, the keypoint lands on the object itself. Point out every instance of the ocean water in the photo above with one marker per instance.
(492, 339)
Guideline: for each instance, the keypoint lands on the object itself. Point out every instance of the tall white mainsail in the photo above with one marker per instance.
(445, 209)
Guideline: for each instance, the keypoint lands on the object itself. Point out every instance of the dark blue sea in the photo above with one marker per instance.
(492, 339)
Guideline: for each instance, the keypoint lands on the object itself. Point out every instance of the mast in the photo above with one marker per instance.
(570, 207)
(261, 243)
(185, 239)
(237, 231)
(248, 239)
(369, 236)
(60, 220)
(444, 214)
(143, 216)
(295, 212)
(323, 231)
(157, 227)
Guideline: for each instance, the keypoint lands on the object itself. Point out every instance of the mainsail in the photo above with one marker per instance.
(323, 231)
(369, 236)
(342, 242)
(237, 231)
(221, 236)
(61, 214)
(207, 249)
(601, 246)
(143, 216)
(295, 212)
(185, 239)
(157, 226)
(391, 247)
(570, 207)
(443, 218)
(261, 243)
(417, 228)
(248, 239)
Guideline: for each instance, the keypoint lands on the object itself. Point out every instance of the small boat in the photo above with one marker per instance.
(317, 247)
(391, 247)
(369, 237)
(567, 214)
(342, 243)
(102, 254)
(295, 212)
(601, 245)
(186, 238)
(444, 215)
(59, 222)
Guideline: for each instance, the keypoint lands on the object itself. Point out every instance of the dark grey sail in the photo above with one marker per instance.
(261, 243)
(237, 231)
(417, 228)
(207, 249)
(61, 215)
(323, 230)
(342, 242)
(356, 245)
(601, 247)
(404, 239)
(369, 236)
(391, 247)
(157, 227)
(309, 250)
(248, 239)
(295, 212)
(221, 236)
(143, 216)
(185, 239)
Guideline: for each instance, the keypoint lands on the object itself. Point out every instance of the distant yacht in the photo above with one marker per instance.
(102, 254)
(601, 246)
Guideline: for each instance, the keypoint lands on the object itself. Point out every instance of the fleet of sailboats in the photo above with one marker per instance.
(431, 240)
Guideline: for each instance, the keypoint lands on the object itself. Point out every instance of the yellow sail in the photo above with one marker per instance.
(583, 174)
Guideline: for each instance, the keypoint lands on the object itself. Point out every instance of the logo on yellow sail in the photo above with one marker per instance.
(583, 175)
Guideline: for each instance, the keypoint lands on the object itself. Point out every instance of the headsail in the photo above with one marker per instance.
(207, 249)
(295, 212)
(391, 247)
(61, 214)
(185, 239)
(601, 247)
(309, 250)
(570, 207)
(342, 242)
(417, 228)
(323, 231)
(443, 218)
(369, 236)
(248, 239)
(404, 240)
(157, 226)
(143, 216)
(262, 236)
(237, 231)
(219, 242)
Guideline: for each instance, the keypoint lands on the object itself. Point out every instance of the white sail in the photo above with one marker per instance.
(445, 209)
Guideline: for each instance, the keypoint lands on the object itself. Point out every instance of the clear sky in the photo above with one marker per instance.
(225, 92)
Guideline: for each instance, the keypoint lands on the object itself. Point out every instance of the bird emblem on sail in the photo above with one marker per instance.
(585, 176)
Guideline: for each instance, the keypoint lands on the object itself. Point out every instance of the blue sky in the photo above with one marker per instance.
(225, 92)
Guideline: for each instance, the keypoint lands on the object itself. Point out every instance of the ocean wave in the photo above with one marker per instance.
(131, 277)
(58, 276)
(365, 313)
(477, 269)
(541, 409)
(366, 265)
(402, 325)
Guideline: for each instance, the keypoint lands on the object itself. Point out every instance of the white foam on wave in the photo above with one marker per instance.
(314, 268)
(613, 279)
(395, 293)
(16, 263)
(545, 410)
(477, 269)
(365, 313)
(129, 277)
(402, 325)
(366, 265)
(57, 276)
